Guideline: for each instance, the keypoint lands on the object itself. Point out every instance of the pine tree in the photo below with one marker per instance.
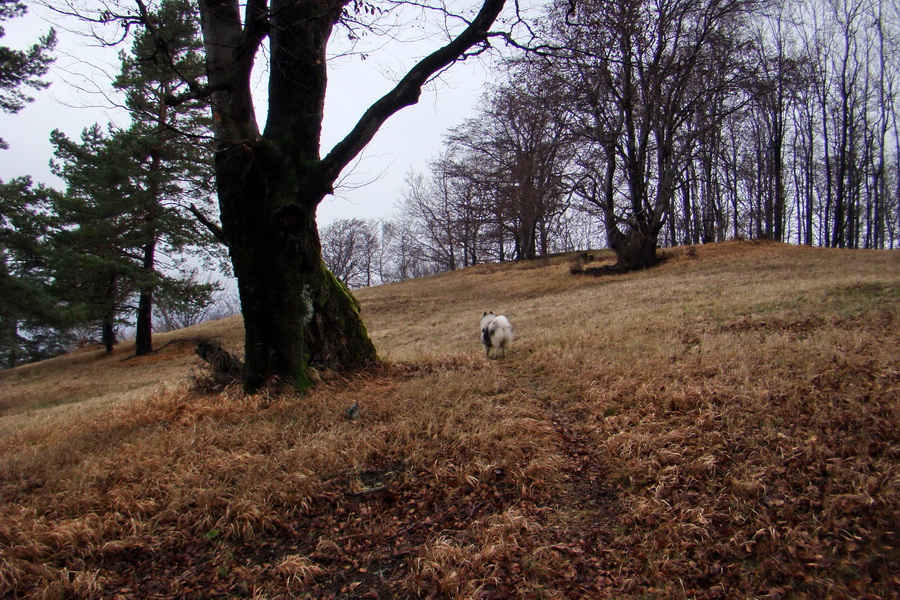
(109, 227)
(21, 68)
(172, 146)
(26, 306)
(95, 246)
(31, 317)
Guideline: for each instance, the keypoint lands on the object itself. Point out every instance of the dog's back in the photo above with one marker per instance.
(496, 332)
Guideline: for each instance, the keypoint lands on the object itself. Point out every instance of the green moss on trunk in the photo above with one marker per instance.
(296, 313)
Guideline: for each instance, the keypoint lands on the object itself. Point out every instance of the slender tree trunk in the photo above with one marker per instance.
(154, 211)
(143, 340)
(732, 181)
(825, 228)
(780, 200)
(689, 225)
(879, 173)
(839, 234)
(10, 330)
(108, 332)
(809, 182)
(108, 336)
(144, 328)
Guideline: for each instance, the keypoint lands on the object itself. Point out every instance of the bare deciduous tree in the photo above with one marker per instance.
(516, 151)
(350, 249)
(639, 74)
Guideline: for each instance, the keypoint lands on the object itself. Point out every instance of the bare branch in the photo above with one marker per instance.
(212, 227)
(408, 90)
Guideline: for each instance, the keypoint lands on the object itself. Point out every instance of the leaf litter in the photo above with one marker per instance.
(753, 453)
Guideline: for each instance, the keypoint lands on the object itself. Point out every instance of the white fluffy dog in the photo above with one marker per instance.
(496, 333)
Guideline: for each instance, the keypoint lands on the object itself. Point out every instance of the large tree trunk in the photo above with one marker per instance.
(297, 314)
(635, 249)
(636, 246)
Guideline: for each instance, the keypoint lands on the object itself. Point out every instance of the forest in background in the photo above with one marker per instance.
(707, 120)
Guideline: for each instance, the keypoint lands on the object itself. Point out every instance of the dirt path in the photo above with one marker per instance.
(585, 511)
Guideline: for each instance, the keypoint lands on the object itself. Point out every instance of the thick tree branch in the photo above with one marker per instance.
(195, 92)
(212, 227)
(407, 91)
(256, 28)
(230, 51)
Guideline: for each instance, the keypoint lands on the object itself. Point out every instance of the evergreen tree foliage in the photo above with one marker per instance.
(96, 245)
(29, 311)
(183, 302)
(110, 224)
(21, 68)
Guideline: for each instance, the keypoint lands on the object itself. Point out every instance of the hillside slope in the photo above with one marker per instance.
(722, 426)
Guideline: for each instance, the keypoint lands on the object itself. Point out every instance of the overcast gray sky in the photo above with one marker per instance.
(81, 76)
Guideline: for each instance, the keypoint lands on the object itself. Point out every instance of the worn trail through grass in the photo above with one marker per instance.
(586, 504)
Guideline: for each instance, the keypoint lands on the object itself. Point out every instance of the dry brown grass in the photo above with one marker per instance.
(89, 378)
(723, 426)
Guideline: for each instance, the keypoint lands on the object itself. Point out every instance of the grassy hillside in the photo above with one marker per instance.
(726, 425)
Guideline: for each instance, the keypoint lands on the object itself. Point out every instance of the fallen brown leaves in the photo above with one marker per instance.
(722, 436)
(780, 484)
(188, 495)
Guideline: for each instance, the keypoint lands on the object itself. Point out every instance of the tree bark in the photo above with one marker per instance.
(635, 247)
(154, 211)
(108, 330)
(635, 250)
(109, 336)
(297, 314)
(9, 329)
(143, 337)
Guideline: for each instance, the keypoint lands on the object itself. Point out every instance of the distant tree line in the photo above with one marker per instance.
(639, 124)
